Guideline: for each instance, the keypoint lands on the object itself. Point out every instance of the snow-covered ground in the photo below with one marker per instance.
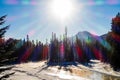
(41, 71)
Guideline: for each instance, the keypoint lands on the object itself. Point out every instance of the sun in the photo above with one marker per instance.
(61, 9)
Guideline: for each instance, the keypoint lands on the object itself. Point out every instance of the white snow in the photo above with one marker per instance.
(40, 71)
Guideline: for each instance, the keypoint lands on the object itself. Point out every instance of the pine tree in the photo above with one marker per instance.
(114, 39)
(3, 46)
(3, 30)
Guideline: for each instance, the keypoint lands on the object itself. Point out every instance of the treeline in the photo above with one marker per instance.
(23, 51)
(104, 48)
(82, 51)
(65, 50)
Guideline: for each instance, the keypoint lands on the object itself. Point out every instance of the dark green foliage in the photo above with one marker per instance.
(114, 54)
(114, 39)
(3, 30)
(5, 48)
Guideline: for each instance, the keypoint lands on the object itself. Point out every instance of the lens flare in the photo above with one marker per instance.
(61, 9)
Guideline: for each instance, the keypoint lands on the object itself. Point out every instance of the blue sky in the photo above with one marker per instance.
(32, 17)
